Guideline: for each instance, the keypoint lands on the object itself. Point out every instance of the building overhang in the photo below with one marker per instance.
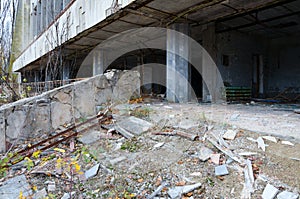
(82, 36)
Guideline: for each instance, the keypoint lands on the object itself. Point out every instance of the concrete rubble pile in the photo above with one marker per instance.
(142, 151)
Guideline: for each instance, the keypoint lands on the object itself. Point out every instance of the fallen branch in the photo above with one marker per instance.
(192, 137)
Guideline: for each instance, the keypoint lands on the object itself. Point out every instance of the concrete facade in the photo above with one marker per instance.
(256, 54)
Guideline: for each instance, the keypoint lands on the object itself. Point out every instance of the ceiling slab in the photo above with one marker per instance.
(172, 6)
(120, 26)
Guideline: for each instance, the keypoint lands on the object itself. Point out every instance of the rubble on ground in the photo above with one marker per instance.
(142, 151)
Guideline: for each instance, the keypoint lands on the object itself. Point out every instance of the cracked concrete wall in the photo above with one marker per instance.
(41, 115)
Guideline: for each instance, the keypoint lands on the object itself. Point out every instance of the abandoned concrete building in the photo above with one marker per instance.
(154, 99)
(254, 44)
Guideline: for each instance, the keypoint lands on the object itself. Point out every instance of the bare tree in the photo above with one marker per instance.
(8, 10)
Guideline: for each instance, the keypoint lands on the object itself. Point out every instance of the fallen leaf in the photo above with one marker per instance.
(140, 180)
(181, 183)
(59, 150)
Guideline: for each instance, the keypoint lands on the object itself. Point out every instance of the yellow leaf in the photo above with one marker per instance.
(59, 150)
(21, 195)
(77, 167)
(34, 188)
(36, 154)
(27, 159)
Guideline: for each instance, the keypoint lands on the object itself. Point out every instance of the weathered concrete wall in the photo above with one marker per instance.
(43, 114)
(240, 49)
(283, 66)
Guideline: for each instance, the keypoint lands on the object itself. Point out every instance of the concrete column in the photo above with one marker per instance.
(178, 69)
(38, 19)
(43, 14)
(209, 44)
(98, 62)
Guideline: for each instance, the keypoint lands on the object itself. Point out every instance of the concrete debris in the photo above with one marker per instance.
(270, 138)
(89, 137)
(205, 153)
(269, 192)
(41, 194)
(249, 177)
(158, 145)
(221, 170)
(196, 174)
(287, 143)
(227, 151)
(123, 132)
(297, 111)
(11, 188)
(135, 125)
(230, 134)
(261, 143)
(117, 160)
(215, 158)
(247, 153)
(287, 195)
(51, 187)
(163, 184)
(234, 117)
(92, 171)
(68, 195)
(168, 107)
(296, 159)
(179, 190)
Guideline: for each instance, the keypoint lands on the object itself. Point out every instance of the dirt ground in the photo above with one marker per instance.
(135, 168)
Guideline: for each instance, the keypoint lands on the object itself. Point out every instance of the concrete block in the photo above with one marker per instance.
(15, 123)
(60, 114)
(84, 99)
(269, 192)
(135, 125)
(221, 170)
(11, 188)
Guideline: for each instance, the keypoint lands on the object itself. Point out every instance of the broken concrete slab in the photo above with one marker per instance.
(92, 171)
(287, 195)
(269, 192)
(158, 145)
(205, 153)
(287, 143)
(230, 134)
(12, 187)
(221, 170)
(179, 190)
(234, 117)
(135, 125)
(41, 194)
(117, 160)
(247, 153)
(215, 158)
(68, 195)
(270, 138)
(261, 143)
(89, 137)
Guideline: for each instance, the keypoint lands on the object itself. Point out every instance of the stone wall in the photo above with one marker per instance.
(43, 114)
